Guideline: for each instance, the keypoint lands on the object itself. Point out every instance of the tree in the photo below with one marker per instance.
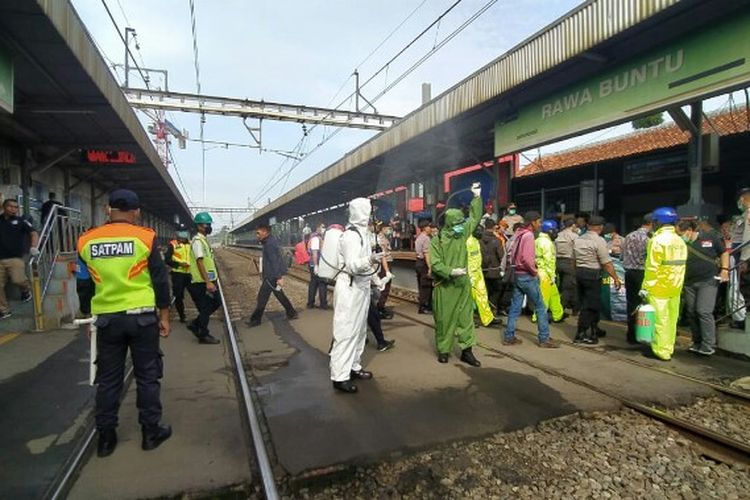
(648, 121)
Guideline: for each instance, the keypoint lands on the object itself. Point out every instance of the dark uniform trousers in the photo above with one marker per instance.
(494, 292)
(424, 284)
(386, 291)
(589, 284)
(205, 303)
(633, 283)
(373, 319)
(116, 333)
(266, 289)
(568, 288)
(319, 287)
(180, 282)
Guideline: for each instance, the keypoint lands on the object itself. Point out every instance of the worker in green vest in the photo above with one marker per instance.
(177, 257)
(546, 263)
(203, 289)
(129, 282)
(664, 276)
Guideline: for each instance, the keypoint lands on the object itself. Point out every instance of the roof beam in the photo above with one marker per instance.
(229, 106)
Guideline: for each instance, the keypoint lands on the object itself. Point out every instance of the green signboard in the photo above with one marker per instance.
(6, 82)
(706, 62)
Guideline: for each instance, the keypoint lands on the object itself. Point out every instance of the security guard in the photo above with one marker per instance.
(129, 283)
(203, 289)
(663, 278)
(178, 258)
(546, 264)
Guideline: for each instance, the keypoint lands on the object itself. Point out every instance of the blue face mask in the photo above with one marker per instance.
(458, 229)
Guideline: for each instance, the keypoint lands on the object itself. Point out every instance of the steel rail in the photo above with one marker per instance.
(61, 484)
(735, 447)
(264, 464)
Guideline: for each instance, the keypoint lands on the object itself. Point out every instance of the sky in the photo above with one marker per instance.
(299, 52)
(304, 52)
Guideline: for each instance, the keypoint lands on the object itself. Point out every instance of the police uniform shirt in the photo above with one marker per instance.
(13, 232)
(564, 243)
(591, 251)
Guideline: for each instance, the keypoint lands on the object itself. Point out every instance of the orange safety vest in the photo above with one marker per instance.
(181, 255)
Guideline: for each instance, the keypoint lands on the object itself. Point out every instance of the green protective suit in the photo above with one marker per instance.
(451, 297)
(664, 276)
(546, 263)
(478, 286)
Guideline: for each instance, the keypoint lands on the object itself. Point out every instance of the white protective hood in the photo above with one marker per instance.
(359, 212)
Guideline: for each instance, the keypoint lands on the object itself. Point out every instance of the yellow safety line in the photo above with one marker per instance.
(4, 339)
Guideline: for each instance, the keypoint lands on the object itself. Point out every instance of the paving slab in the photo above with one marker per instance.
(46, 401)
(207, 451)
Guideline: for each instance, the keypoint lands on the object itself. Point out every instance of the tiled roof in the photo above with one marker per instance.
(638, 142)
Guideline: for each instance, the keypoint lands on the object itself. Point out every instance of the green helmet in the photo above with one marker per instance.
(203, 218)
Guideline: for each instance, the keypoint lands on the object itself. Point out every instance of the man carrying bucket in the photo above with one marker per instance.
(663, 279)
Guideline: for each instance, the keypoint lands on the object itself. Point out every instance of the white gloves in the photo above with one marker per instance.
(476, 188)
(377, 257)
(459, 271)
(34, 251)
(384, 281)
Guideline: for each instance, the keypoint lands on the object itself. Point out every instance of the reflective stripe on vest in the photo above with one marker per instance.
(116, 256)
(181, 255)
(208, 261)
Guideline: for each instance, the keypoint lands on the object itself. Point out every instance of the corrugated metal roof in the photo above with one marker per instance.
(583, 28)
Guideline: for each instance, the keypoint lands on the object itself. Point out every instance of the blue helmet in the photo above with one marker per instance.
(549, 225)
(665, 215)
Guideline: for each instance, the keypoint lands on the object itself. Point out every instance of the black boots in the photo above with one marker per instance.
(443, 357)
(346, 386)
(107, 442)
(208, 339)
(154, 436)
(580, 335)
(467, 356)
(361, 375)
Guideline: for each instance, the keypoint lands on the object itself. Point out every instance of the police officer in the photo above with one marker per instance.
(130, 284)
(203, 289)
(178, 258)
(591, 256)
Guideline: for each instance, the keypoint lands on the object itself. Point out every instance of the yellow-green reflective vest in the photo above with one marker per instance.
(208, 261)
(116, 255)
(545, 256)
(666, 256)
(181, 256)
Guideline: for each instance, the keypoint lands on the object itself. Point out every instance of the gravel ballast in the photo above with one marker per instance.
(603, 455)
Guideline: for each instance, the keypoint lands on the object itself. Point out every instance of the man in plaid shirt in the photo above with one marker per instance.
(633, 257)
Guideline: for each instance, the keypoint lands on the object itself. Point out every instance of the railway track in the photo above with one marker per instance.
(64, 481)
(713, 444)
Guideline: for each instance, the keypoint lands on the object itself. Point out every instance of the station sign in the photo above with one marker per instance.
(707, 62)
(108, 157)
(6, 82)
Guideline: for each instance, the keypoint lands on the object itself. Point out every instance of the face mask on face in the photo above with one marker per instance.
(607, 237)
(512, 211)
(458, 229)
(209, 229)
(686, 238)
(740, 205)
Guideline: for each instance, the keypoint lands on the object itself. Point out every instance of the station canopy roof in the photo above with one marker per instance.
(67, 101)
(456, 128)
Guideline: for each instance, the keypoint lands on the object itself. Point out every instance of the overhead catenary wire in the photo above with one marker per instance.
(196, 66)
(389, 87)
(127, 48)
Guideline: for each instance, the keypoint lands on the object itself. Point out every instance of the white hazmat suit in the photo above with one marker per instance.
(351, 295)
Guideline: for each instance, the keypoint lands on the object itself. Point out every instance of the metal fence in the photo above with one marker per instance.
(58, 238)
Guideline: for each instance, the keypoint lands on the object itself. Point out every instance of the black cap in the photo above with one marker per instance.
(531, 216)
(596, 220)
(124, 199)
